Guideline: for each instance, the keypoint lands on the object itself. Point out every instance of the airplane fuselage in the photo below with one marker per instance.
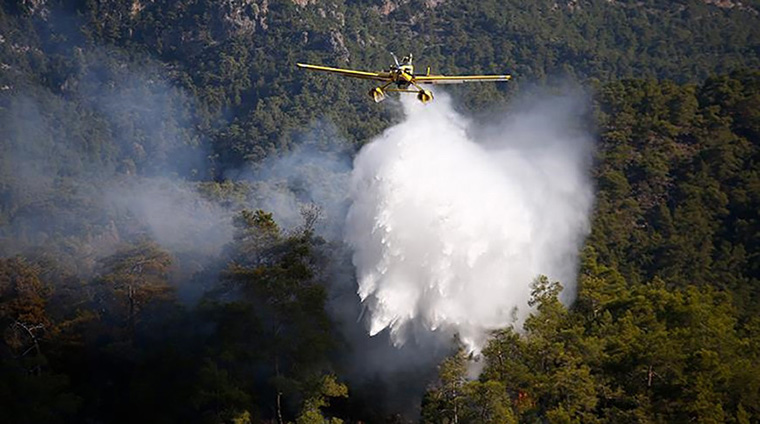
(403, 76)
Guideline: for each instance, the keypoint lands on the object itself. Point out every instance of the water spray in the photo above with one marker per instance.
(449, 224)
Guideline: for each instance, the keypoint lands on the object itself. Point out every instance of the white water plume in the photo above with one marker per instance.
(449, 224)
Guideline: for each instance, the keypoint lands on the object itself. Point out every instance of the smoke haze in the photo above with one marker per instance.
(450, 224)
(74, 174)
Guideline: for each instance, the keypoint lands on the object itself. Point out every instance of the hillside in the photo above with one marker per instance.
(237, 58)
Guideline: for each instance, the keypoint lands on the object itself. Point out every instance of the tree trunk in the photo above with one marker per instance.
(279, 392)
(131, 320)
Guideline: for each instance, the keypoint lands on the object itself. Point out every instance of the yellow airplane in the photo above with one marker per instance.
(402, 74)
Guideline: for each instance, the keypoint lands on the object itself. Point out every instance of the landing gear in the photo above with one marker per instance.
(377, 94)
(425, 96)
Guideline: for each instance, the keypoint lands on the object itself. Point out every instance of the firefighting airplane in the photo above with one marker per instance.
(402, 74)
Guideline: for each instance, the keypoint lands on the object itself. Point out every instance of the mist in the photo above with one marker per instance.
(313, 174)
(450, 221)
(112, 155)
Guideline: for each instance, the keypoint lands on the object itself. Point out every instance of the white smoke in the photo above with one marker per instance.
(449, 224)
(175, 213)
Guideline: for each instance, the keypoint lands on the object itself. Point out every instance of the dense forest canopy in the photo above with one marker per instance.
(112, 113)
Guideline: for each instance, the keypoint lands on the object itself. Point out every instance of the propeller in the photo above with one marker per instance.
(395, 59)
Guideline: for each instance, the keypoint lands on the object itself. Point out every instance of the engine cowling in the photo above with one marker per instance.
(377, 94)
(425, 96)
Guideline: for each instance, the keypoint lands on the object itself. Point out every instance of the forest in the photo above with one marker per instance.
(113, 112)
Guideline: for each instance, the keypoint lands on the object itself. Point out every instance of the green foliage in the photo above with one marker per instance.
(676, 177)
(327, 387)
(647, 353)
(134, 278)
(272, 276)
(218, 398)
(456, 400)
(237, 62)
(23, 297)
(29, 390)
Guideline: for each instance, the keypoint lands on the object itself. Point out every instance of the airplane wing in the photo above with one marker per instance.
(348, 72)
(458, 79)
